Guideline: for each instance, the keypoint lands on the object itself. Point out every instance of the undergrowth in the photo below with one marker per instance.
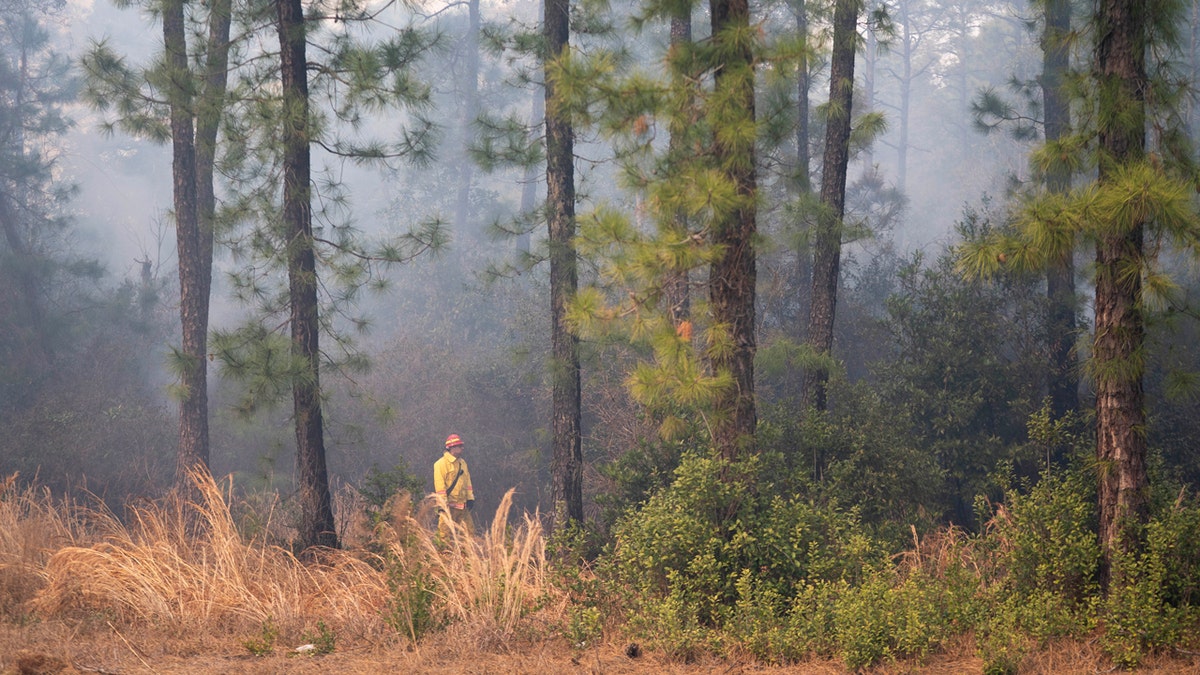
(699, 569)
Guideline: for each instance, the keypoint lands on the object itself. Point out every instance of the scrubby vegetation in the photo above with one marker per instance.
(698, 570)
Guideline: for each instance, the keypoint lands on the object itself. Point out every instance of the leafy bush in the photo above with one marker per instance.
(412, 592)
(1041, 565)
(1149, 603)
(379, 485)
(711, 554)
(1045, 540)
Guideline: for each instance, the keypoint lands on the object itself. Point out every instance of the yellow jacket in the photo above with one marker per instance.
(444, 471)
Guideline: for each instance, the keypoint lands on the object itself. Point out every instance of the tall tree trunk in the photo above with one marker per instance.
(1119, 325)
(529, 180)
(193, 287)
(676, 286)
(470, 110)
(1063, 385)
(803, 179)
(317, 526)
(906, 84)
(732, 278)
(567, 461)
(828, 236)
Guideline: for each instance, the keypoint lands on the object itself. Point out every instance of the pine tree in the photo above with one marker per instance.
(731, 280)
(194, 97)
(567, 459)
(1141, 190)
(282, 112)
(35, 86)
(1052, 110)
(1060, 278)
(316, 521)
(827, 236)
(700, 192)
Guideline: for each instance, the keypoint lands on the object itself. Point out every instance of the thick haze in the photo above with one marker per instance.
(494, 357)
(126, 189)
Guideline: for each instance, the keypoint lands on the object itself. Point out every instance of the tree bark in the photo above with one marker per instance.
(676, 285)
(317, 526)
(470, 110)
(803, 180)
(827, 242)
(567, 460)
(1063, 383)
(1119, 324)
(193, 270)
(732, 279)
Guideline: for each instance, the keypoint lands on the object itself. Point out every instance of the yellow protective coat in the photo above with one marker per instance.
(444, 471)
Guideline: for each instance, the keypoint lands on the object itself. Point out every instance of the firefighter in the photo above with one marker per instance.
(452, 480)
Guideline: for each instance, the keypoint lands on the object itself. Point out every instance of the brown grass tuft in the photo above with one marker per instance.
(32, 526)
(489, 583)
(182, 565)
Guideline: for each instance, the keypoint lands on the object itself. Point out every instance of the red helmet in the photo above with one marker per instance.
(453, 440)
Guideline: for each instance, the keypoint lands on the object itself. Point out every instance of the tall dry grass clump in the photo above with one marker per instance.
(487, 583)
(33, 524)
(181, 564)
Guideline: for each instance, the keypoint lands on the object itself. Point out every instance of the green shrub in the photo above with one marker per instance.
(670, 624)
(1149, 603)
(709, 560)
(711, 524)
(410, 608)
(755, 624)
(379, 485)
(323, 640)
(263, 644)
(810, 620)
(1045, 540)
(891, 615)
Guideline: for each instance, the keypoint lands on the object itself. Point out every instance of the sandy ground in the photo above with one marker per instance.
(44, 649)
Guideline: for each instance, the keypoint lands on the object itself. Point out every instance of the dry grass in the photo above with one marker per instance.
(175, 587)
(32, 526)
(493, 581)
(182, 566)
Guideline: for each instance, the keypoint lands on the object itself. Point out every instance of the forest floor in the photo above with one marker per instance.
(56, 648)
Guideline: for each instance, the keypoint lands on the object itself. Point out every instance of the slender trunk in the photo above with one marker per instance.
(732, 278)
(317, 526)
(1063, 384)
(470, 110)
(193, 289)
(567, 461)
(1119, 325)
(906, 80)
(803, 180)
(676, 286)
(529, 181)
(828, 236)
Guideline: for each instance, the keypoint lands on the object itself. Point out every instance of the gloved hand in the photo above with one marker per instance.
(470, 504)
